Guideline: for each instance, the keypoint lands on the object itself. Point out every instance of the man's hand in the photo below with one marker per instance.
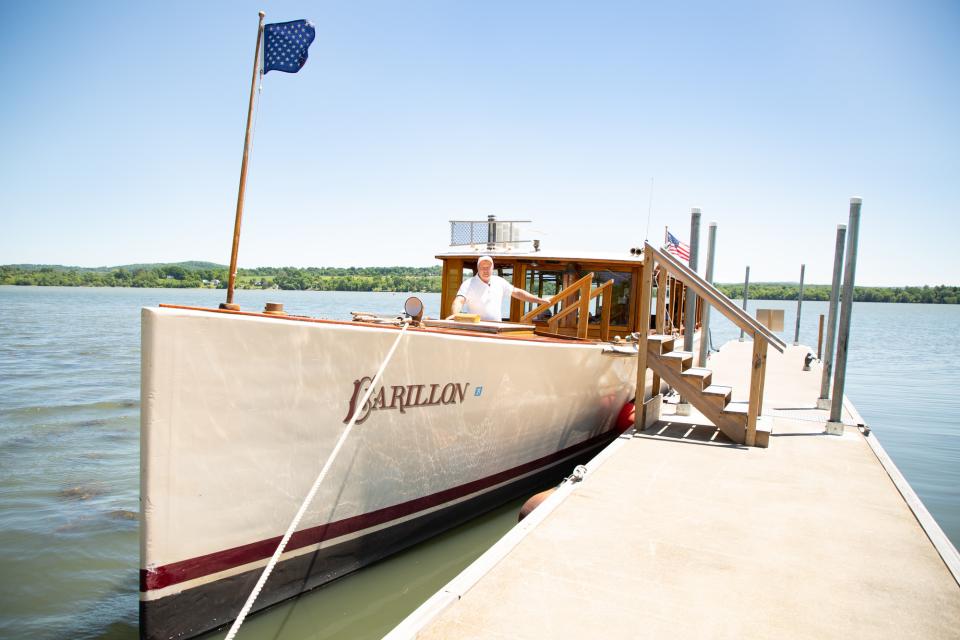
(456, 306)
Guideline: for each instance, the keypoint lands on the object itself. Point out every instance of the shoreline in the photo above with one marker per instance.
(859, 297)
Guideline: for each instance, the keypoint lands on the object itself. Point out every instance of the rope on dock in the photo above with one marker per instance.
(310, 495)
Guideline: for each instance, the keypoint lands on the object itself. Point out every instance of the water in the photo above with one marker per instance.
(69, 455)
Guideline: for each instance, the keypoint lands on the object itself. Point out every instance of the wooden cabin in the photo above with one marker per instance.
(548, 274)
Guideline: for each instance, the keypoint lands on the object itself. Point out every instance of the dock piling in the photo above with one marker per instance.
(835, 426)
(705, 326)
(690, 308)
(746, 288)
(823, 402)
(796, 333)
(820, 338)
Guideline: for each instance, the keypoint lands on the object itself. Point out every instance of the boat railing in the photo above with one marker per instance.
(581, 306)
(490, 233)
(762, 337)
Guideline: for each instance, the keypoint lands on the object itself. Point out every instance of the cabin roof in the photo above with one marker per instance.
(623, 258)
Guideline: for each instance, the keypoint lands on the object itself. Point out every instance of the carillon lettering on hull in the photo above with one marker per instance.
(403, 397)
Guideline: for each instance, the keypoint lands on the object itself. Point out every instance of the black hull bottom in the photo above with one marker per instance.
(204, 608)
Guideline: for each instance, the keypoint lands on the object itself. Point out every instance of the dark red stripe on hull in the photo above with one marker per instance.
(215, 604)
(184, 570)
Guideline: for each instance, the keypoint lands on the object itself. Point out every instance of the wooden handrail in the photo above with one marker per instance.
(708, 292)
(565, 293)
(606, 289)
(582, 306)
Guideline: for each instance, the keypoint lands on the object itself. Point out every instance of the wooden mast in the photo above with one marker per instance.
(229, 304)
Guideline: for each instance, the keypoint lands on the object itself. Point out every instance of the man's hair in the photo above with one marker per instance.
(482, 258)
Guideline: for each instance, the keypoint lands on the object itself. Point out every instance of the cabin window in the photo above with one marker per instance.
(543, 284)
(620, 307)
(505, 272)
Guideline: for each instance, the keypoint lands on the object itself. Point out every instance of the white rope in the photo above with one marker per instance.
(313, 491)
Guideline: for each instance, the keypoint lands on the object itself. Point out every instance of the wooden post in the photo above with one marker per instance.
(583, 312)
(820, 338)
(643, 314)
(243, 176)
(757, 375)
(606, 299)
(662, 301)
(661, 321)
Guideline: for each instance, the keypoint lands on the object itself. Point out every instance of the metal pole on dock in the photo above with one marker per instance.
(690, 311)
(796, 333)
(746, 288)
(820, 338)
(834, 426)
(823, 402)
(705, 326)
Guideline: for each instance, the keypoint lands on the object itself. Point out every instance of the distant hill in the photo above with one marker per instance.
(190, 265)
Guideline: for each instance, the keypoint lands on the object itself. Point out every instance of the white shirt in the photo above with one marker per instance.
(485, 299)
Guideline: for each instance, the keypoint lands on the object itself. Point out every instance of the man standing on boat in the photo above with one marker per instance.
(483, 293)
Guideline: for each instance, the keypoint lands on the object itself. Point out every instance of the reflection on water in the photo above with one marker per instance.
(69, 454)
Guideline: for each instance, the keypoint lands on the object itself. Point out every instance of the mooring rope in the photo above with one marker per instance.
(310, 495)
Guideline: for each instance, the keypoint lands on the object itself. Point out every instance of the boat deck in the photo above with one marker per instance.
(674, 533)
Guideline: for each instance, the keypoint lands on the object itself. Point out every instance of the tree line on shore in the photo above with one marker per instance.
(209, 275)
(422, 279)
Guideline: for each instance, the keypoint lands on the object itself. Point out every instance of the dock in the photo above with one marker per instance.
(677, 532)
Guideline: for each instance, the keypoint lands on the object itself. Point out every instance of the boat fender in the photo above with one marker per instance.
(626, 417)
(533, 502)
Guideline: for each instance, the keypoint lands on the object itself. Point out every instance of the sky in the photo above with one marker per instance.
(121, 131)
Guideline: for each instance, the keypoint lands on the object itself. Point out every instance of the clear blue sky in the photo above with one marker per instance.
(122, 128)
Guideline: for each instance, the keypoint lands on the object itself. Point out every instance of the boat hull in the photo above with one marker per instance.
(240, 412)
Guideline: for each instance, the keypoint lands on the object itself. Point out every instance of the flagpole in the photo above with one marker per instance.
(229, 304)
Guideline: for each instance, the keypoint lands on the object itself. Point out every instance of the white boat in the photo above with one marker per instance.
(241, 409)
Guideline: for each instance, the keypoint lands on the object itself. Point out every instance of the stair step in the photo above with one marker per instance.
(737, 412)
(763, 436)
(660, 344)
(678, 360)
(698, 377)
(718, 395)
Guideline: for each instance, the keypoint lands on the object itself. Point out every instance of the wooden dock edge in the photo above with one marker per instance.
(948, 552)
(469, 577)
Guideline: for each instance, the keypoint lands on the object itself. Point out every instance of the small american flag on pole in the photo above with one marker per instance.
(677, 248)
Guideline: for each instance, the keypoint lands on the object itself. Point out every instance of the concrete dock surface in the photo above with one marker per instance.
(675, 533)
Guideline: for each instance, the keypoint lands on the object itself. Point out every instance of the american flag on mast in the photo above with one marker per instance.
(676, 248)
(285, 45)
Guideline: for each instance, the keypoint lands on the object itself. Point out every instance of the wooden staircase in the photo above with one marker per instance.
(695, 384)
(737, 422)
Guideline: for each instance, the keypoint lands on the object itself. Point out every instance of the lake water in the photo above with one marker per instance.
(69, 454)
